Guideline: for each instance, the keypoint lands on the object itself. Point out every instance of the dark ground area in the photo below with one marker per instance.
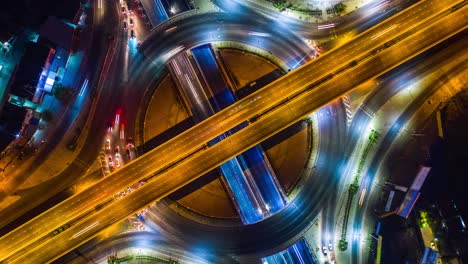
(455, 116)
(445, 188)
(448, 185)
(401, 240)
(449, 157)
(18, 14)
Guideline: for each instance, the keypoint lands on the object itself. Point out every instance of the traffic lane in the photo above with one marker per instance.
(323, 56)
(336, 112)
(362, 72)
(189, 34)
(209, 68)
(49, 145)
(361, 19)
(154, 13)
(449, 64)
(130, 201)
(327, 161)
(388, 85)
(370, 15)
(95, 47)
(141, 65)
(191, 87)
(248, 205)
(424, 10)
(448, 55)
(262, 13)
(264, 178)
(99, 249)
(81, 164)
(424, 65)
(243, 195)
(117, 80)
(199, 234)
(347, 51)
(397, 80)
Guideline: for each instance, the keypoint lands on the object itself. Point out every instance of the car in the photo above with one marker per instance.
(132, 34)
(130, 142)
(324, 250)
(110, 126)
(128, 154)
(330, 246)
(131, 22)
(117, 162)
(125, 26)
(123, 10)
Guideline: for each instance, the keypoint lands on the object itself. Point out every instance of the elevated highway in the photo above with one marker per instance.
(185, 157)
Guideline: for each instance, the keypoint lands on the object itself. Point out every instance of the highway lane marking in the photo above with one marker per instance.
(85, 230)
(384, 31)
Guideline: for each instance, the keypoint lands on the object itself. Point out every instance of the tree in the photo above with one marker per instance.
(46, 115)
(280, 4)
(339, 8)
(61, 92)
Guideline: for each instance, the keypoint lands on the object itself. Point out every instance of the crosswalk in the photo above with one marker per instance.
(137, 224)
(370, 112)
(348, 109)
(103, 161)
(350, 112)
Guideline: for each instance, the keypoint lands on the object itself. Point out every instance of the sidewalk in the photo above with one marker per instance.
(205, 6)
(305, 9)
(313, 237)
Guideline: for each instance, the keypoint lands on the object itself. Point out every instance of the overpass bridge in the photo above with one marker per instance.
(187, 157)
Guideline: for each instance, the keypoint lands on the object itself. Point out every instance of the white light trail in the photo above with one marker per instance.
(170, 29)
(383, 32)
(173, 52)
(117, 119)
(176, 67)
(379, 6)
(326, 26)
(361, 199)
(85, 230)
(259, 34)
(298, 254)
(83, 87)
